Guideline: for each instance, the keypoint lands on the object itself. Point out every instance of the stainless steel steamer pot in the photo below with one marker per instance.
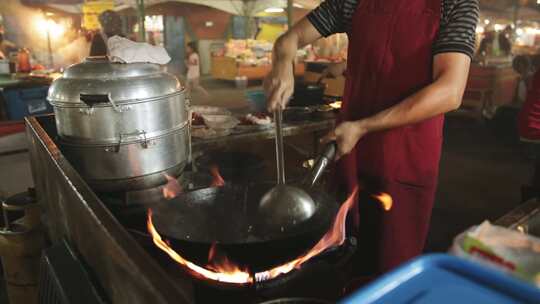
(122, 125)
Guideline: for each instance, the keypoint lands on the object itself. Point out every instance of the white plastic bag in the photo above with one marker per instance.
(509, 250)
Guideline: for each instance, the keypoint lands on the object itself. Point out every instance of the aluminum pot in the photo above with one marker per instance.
(121, 125)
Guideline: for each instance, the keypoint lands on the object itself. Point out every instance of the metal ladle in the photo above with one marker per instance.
(284, 206)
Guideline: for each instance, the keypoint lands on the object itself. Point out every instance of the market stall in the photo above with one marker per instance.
(145, 193)
(501, 34)
(245, 58)
(490, 87)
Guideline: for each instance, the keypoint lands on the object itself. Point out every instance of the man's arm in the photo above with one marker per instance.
(450, 71)
(279, 84)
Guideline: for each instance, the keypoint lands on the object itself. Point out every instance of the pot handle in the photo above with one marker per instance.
(141, 134)
(326, 157)
(93, 99)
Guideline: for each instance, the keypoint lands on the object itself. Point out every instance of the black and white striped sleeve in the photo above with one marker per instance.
(327, 18)
(457, 31)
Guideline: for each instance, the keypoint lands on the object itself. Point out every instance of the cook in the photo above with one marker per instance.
(529, 126)
(529, 116)
(6, 47)
(111, 25)
(408, 63)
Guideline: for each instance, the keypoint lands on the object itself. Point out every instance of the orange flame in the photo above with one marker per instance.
(225, 271)
(336, 105)
(219, 262)
(220, 268)
(172, 189)
(334, 237)
(385, 199)
(218, 181)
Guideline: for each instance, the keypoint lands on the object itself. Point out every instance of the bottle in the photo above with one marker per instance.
(12, 62)
(23, 61)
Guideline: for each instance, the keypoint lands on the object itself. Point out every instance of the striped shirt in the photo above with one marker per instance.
(457, 31)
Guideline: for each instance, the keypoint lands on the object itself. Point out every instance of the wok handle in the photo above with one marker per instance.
(326, 157)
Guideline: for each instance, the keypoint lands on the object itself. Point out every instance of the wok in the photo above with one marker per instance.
(306, 94)
(233, 166)
(193, 221)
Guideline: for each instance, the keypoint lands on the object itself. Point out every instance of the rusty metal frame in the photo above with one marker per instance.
(520, 215)
(126, 272)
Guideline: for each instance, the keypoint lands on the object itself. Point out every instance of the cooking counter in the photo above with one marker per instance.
(7, 81)
(525, 218)
(312, 126)
(125, 270)
(73, 212)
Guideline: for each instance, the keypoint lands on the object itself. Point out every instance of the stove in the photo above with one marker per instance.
(108, 232)
(322, 278)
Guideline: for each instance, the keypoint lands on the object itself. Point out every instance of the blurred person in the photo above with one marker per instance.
(6, 47)
(111, 25)
(73, 51)
(505, 41)
(193, 70)
(151, 38)
(486, 44)
(407, 65)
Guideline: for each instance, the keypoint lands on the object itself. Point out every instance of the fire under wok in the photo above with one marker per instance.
(227, 217)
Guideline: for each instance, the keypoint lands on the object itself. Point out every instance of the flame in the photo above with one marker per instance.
(336, 105)
(218, 181)
(172, 189)
(219, 262)
(224, 271)
(334, 237)
(385, 199)
(220, 268)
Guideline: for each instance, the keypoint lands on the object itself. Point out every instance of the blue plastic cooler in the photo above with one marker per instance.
(21, 102)
(445, 279)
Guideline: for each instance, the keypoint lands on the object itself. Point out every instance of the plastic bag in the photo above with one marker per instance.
(508, 250)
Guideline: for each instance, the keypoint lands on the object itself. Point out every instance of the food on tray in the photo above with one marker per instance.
(198, 113)
(256, 119)
(220, 122)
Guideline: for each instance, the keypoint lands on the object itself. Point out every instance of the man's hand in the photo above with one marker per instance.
(279, 84)
(346, 135)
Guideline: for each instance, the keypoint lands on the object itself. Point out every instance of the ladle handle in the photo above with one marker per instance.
(278, 117)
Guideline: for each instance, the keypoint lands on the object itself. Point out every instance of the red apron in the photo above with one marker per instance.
(529, 117)
(390, 58)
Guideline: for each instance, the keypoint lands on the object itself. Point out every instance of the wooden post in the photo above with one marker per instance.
(142, 30)
(290, 13)
(516, 12)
